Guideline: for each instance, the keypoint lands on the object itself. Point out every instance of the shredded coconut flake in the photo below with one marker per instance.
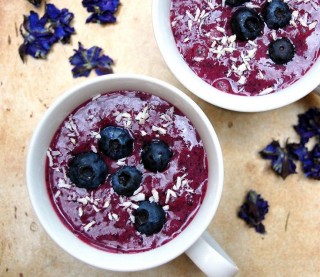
(80, 211)
(165, 117)
(242, 80)
(139, 189)
(190, 15)
(94, 149)
(190, 24)
(196, 17)
(57, 194)
(115, 216)
(252, 43)
(171, 111)
(266, 91)
(185, 182)
(143, 133)
(313, 25)
(155, 195)
(132, 218)
(83, 201)
(50, 158)
(134, 206)
(126, 204)
(252, 52)
(232, 38)
(106, 203)
(96, 208)
(220, 29)
(121, 162)
(160, 130)
(95, 134)
(55, 153)
(261, 75)
(170, 193)
(252, 6)
(142, 116)
(166, 125)
(186, 39)
(211, 6)
(274, 35)
(63, 184)
(96, 97)
(198, 59)
(89, 225)
(126, 115)
(138, 197)
(165, 208)
(95, 202)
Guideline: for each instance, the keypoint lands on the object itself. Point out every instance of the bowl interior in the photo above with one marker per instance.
(36, 173)
(176, 63)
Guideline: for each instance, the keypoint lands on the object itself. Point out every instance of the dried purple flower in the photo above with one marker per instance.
(311, 163)
(308, 125)
(281, 158)
(40, 34)
(297, 150)
(37, 38)
(102, 11)
(36, 3)
(253, 211)
(84, 60)
(59, 21)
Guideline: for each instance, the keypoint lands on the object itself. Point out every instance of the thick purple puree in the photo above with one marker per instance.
(100, 216)
(204, 37)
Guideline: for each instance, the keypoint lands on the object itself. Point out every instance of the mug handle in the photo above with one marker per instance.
(317, 90)
(207, 254)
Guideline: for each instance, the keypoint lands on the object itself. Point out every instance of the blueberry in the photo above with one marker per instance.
(87, 170)
(126, 180)
(235, 3)
(281, 51)
(246, 24)
(276, 14)
(115, 142)
(155, 155)
(149, 218)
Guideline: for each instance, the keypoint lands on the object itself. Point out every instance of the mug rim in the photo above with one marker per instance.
(50, 220)
(181, 70)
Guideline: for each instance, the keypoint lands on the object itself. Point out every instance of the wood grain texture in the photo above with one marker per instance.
(292, 244)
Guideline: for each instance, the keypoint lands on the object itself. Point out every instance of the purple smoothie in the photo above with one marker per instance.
(101, 217)
(204, 38)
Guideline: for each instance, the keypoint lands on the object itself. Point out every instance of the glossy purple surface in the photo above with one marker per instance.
(113, 229)
(204, 38)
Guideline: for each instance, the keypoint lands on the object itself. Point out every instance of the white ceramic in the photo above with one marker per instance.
(177, 65)
(201, 248)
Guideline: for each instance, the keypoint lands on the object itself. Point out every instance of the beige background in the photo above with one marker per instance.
(27, 90)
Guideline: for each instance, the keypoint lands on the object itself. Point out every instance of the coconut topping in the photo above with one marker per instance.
(89, 225)
(138, 197)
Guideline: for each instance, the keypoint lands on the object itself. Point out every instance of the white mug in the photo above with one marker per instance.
(193, 240)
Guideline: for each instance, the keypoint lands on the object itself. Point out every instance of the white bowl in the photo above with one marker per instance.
(35, 171)
(181, 70)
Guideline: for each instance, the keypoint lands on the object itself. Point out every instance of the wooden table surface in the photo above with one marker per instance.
(291, 246)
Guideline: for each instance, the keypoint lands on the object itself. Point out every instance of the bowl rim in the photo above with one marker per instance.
(57, 229)
(180, 69)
